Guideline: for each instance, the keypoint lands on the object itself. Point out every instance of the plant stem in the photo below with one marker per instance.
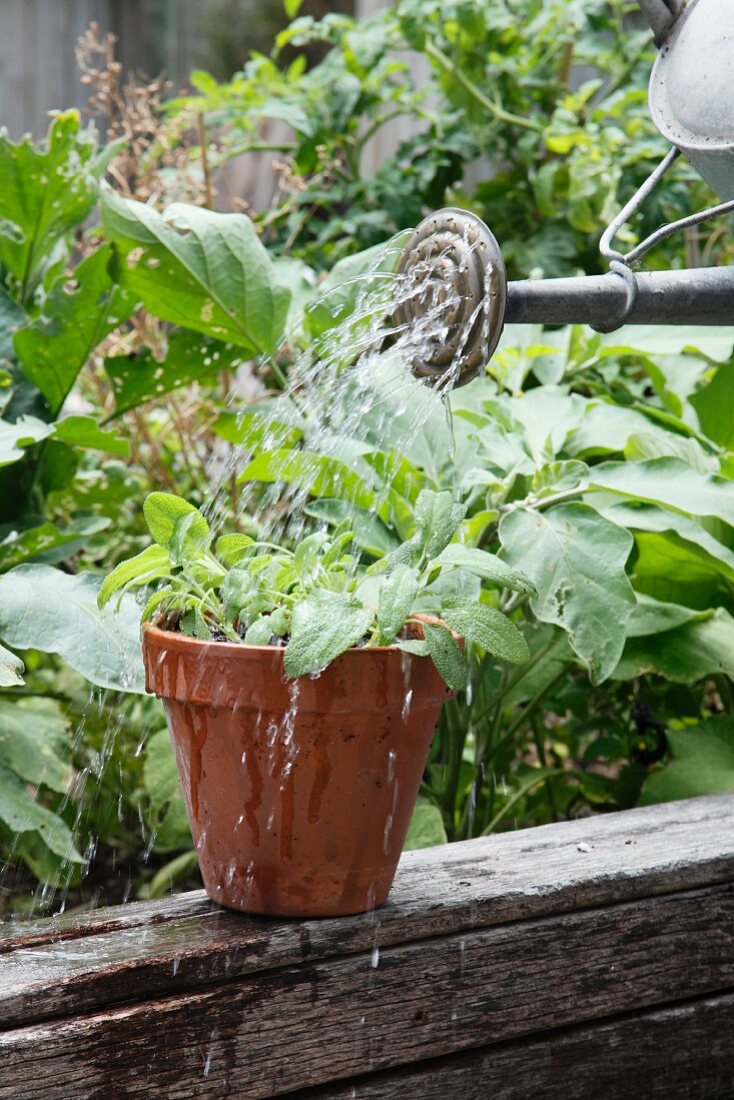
(208, 193)
(495, 109)
(525, 789)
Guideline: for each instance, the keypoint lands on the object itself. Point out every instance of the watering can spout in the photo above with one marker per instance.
(691, 106)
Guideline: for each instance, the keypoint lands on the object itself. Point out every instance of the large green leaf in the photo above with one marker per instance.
(190, 357)
(655, 616)
(44, 193)
(715, 406)
(702, 763)
(324, 625)
(43, 608)
(369, 532)
(426, 829)
(32, 740)
(576, 559)
(200, 269)
(83, 431)
(318, 475)
(685, 654)
(23, 433)
(47, 538)
(11, 669)
(77, 315)
(679, 529)
(11, 318)
(22, 814)
(337, 295)
(165, 810)
(670, 482)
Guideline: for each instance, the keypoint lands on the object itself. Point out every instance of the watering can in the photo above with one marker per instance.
(691, 105)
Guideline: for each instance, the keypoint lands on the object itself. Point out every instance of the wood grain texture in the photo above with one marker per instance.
(59, 966)
(271, 1032)
(531, 951)
(685, 1052)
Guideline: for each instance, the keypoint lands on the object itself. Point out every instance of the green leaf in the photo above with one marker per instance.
(577, 560)
(199, 269)
(490, 629)
(83, 431)
(337, 295)
(702, 763)
(43, 608)
(164, 511)
(77, 314)
(22, 814)
(655, 616)
(32, 741)
(323, 626)
(44, 193)
(661, 444)
(231, 549)
(165, 811)
(13, 437)
(260, 631)
(397, 597)
(369, 532)
(318, 475)
(446, 655)
(715, 406)
(681, 531)
(487, 566)
(190, 357)
(426, 829)
(190, 539)
(29, 544)
(686, 654)
(11, 669)
(147, 566)
(670, 482)
(417, 646)
(438, 515)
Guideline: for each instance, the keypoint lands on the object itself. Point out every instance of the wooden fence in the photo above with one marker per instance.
(589, 960)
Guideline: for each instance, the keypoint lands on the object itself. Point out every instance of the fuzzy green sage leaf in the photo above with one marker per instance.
(323, 626)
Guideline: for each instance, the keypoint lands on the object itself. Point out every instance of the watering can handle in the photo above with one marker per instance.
(661, 15)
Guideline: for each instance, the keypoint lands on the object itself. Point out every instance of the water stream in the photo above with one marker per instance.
(352, 397)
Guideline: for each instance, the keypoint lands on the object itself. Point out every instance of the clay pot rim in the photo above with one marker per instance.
(155, 633)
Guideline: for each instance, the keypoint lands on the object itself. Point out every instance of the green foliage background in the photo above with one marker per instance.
(599, 465)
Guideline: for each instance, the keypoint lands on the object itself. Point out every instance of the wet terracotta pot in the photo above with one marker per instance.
(299, 794)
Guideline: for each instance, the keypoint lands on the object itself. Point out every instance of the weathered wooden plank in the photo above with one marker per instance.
(272, 1032)
(56, 967)
(686, 1052)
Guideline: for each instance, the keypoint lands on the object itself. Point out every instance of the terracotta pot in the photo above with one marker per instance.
(299, 794)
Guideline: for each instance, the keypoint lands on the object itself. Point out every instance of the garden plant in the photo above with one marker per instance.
(572, 519)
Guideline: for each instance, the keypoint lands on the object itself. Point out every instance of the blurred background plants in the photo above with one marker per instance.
(601, 466)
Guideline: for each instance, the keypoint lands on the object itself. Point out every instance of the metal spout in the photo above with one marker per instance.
(699, 296)
(456, 267)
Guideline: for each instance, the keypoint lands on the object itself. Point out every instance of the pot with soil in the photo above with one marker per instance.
(302, 689)
(299, 793)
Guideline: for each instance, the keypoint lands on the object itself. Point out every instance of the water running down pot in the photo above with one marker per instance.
(299, 794)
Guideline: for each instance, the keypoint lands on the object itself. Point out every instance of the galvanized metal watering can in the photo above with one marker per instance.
(692, 105)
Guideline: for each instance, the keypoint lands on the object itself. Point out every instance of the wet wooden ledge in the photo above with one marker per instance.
(582, 959)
